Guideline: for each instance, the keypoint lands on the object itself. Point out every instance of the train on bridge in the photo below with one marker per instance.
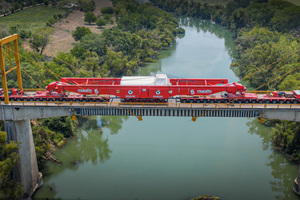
(158, 88)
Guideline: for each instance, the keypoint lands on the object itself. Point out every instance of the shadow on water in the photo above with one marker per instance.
(283, 172)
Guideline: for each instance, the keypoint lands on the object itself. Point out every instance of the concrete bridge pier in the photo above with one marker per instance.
(296, 187)
(26, 171)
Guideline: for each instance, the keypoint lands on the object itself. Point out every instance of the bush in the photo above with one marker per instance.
(107, 17)
(101, 22)
(80, 32)
(89, 17)
(107, 10)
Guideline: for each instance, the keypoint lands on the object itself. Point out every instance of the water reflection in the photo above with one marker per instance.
(154, 68)
(114, 124)
(283, 172)
(256, 128)
(215, 29)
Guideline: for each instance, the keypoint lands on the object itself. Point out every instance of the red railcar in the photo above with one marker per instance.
(157, 88)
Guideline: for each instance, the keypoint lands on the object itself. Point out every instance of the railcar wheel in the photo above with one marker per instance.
(44, 99)
(240, 101)
(226, 101)
(295, 101)
(288, 102)
(31, 99)
(198, 101)
(211, 101)
(218, 101)
(247, 101)
(37, 100)
(77, 100)
(280, 101)
(274, 101)
(18, 99)
(205, 101)
(184, 101)
(84, 100)
(191, 101)
(260, 101)
(267, 101)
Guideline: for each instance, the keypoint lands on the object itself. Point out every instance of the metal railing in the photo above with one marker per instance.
(153, 105)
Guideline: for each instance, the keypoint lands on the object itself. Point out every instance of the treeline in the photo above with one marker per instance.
(21, 4)
(278, 15)
(15, 5)
(268, 49)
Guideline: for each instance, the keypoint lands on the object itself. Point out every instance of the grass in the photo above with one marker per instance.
(31, 18)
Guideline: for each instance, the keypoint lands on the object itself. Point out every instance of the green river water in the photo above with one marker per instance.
(172, 157)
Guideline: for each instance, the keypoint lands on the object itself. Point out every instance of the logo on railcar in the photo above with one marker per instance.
(204, 91)
(85, 90)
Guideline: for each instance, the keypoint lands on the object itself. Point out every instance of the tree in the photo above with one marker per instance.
(91, 63)
(101, 22)
(8, 160)
(107, 10)
(89, 17)
(40, 39)
(107, 17)
(80, 32)
(291, 82)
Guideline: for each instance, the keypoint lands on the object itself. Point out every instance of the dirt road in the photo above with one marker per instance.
(62, 40)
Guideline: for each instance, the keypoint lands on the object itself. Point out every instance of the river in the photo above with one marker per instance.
(173, 157)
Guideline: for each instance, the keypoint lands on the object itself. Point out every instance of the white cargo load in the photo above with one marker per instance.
(159, 79)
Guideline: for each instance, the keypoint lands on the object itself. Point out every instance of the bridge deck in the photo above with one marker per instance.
(22, 110)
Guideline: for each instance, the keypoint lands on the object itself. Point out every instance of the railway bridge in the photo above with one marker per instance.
(17, 115)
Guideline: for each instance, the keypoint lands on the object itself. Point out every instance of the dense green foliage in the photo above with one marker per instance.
(90, 17)
(86, 5)
(100, 22)
(276, 14)
(267, 59)
(80, 32)
(49, 133)
(8, 160)
(286, 135)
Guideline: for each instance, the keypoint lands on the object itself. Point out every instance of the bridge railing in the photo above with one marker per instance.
(154, 105)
